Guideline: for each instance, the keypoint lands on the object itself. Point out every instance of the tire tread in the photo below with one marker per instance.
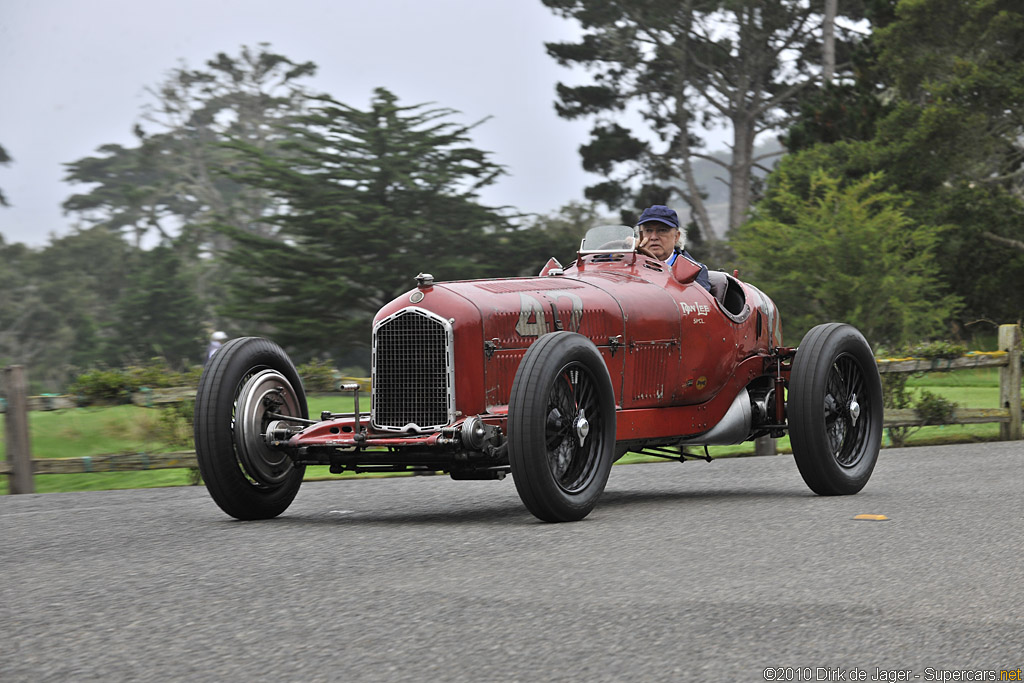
(807, 435)
(215, 451)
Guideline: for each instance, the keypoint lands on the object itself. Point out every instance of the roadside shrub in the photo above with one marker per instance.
(937, 349)
(175, 424)
(105, 385)
(934, 409)
(101, 386)
(190, 378)
(176, 429)
(318, 376)
(154, 374)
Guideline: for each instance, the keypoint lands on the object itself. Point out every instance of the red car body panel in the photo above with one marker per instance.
(676, 357)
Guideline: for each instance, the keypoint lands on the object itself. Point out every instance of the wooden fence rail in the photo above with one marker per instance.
(1007, 359)
(118, 462)
(20, 467)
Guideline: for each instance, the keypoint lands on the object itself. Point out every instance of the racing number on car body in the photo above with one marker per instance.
(533, 319)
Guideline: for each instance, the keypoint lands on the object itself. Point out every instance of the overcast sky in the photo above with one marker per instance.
(73, 75)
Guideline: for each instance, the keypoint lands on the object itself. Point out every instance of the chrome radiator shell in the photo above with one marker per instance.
(413, 372)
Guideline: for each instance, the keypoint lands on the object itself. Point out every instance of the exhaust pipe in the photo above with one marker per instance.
(733, 428)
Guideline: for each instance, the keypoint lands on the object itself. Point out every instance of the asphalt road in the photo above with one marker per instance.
(710, 572)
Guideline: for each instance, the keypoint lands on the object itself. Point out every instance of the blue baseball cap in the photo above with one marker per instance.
(660, 213)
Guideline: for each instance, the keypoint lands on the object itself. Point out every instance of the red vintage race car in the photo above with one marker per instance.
(551, 379)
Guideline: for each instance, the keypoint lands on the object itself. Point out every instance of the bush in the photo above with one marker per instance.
(318, 376)
(937, 349)
(190, 378)
(831, 247)
(101, 386)
(105, 385)
(155, 374)
(934, 409)
(175, 424)
(174, 427)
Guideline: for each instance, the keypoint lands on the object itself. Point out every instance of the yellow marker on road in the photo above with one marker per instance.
(873, 518)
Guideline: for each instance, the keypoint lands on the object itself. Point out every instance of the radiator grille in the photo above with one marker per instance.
(413, 387)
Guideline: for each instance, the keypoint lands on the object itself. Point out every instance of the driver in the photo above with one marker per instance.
(660, 233)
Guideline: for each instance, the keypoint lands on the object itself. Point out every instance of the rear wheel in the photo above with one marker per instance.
(247, 381)
(561, 424)
(835, 410)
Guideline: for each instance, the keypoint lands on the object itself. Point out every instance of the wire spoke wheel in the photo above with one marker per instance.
(561, 427)
(835, 410)
(573, 451)
(846, 430)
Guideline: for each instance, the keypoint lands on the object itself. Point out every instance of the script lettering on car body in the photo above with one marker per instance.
(696, 309)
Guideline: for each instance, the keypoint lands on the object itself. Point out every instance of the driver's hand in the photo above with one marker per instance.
(643, 242)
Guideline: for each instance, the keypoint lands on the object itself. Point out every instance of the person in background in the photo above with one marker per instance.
(660, 233)
(217, 340)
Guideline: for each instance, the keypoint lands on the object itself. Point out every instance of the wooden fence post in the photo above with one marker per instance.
(1009, 381)
(19, 450)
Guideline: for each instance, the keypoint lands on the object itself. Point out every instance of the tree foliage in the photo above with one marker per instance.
(555, 235)
(158, 312)
(170, 184)
(364, 200)
(685, 65)
(270, 217)
(828, 250)
(937, 108)
(56, 312)
(961, 65)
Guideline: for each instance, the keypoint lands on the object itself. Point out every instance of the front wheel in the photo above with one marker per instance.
(561, 425)
(248, 383)
(835, 410)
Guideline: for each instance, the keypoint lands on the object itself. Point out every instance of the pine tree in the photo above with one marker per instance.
(169, 185)
(365, 200)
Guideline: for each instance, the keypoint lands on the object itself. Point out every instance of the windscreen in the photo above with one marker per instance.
(606, 239)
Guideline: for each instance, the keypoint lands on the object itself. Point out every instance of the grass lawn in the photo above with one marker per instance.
(972, 388)
(79, 432)
(125, 429)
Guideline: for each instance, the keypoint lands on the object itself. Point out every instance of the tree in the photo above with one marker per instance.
(15, 311)
(977, 258)
(937, 108)
(828, 41)
(130, 193)
(364, 201)
(88, 299)
(58, 310)
(169, 182)
(555, 235)
(964, 61)
(832, 251)
(158, 313)
(4, 160)
(686, 64)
